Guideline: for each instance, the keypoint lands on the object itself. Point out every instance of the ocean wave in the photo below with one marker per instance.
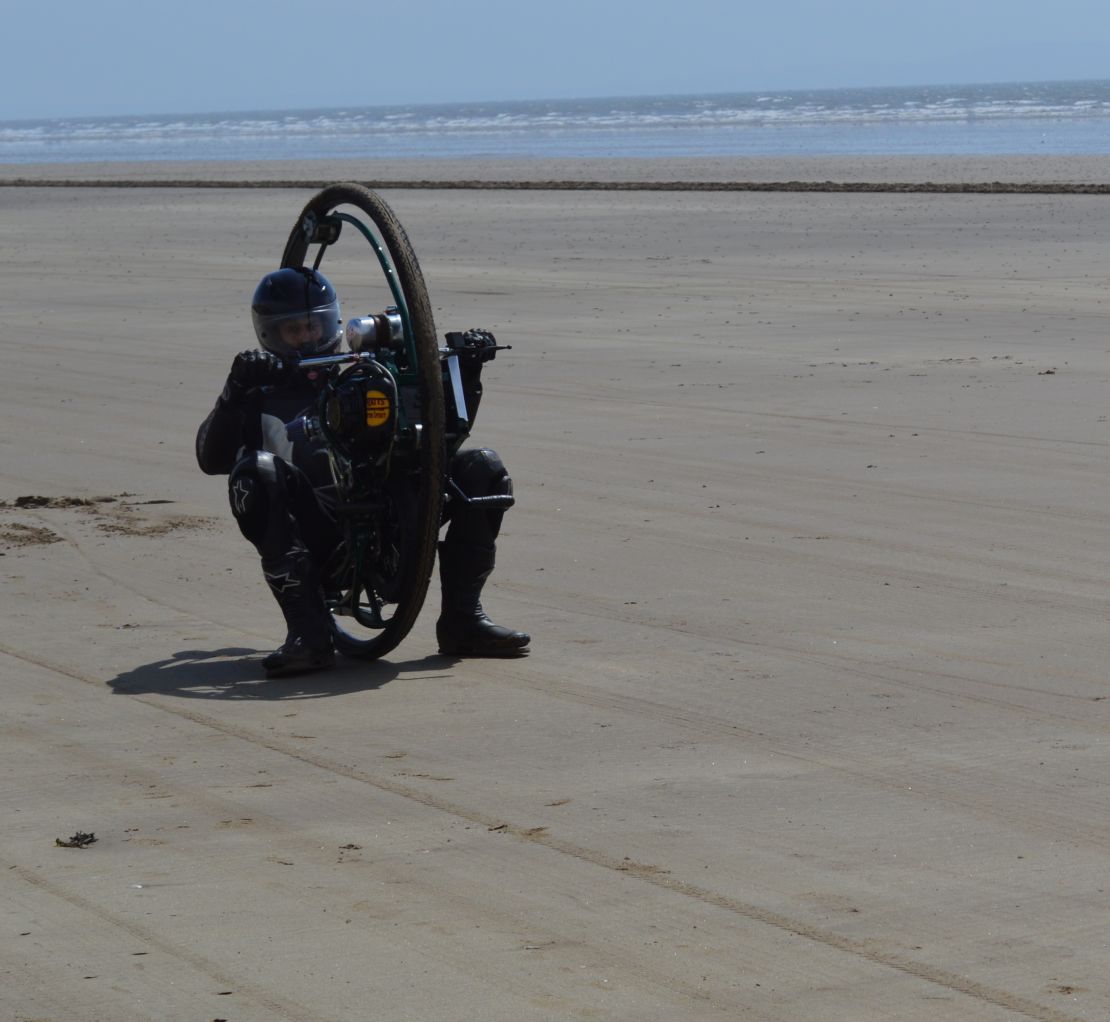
(626, 125)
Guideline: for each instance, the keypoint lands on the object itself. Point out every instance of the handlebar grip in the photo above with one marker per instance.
(304, 427)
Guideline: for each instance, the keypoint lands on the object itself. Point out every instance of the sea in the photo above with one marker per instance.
(1021, 118)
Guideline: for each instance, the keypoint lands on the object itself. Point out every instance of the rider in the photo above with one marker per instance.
(273, 482)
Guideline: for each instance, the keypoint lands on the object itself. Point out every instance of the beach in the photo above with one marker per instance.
(811, 534)
(897, 170)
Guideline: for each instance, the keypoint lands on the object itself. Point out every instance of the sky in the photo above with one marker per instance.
(64, 58)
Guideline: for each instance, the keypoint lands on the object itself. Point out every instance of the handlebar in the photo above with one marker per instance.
(472, 352)
(332, 360)
(364, 356)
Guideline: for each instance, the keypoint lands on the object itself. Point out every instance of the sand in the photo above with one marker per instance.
(899, 170)
(813, 538)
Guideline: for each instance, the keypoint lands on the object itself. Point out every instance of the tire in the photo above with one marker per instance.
(414, 504)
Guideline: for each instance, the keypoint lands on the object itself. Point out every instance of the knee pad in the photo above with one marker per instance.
(254, 486)
(480, 473)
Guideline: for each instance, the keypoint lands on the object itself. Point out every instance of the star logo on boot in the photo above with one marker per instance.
(281, 583)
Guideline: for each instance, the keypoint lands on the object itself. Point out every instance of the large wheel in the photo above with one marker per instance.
(387, 560)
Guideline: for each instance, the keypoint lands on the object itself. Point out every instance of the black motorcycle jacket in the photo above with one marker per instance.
(254, 419)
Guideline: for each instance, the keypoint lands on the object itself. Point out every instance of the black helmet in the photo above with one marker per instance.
(296, 313)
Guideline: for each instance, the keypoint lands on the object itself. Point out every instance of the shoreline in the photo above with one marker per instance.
(952, 188)
(813, 173)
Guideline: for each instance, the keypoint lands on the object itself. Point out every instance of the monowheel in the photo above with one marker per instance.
(387, 508)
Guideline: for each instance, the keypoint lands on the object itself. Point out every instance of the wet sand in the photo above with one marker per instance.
(948, 170)
(813, 539)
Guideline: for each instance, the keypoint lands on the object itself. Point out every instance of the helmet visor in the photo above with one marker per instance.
(301, 333)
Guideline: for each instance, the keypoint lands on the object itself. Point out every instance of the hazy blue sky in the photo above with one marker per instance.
(69, 58)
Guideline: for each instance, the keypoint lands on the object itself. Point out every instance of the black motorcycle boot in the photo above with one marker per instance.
(463, 629)
(294, 581)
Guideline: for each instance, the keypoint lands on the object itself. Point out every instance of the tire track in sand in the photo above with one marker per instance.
(649, 874)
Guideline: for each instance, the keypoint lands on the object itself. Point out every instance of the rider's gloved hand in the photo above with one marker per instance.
(255, 369)
(473, 345)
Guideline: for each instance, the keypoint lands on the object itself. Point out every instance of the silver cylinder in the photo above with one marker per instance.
(368, 333)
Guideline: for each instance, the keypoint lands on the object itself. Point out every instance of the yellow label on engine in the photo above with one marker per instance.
(377, 408)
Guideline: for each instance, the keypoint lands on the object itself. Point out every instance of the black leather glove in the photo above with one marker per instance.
(256, 368)
(473, 345)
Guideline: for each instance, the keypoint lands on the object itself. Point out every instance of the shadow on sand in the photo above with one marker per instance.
(236, 673)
